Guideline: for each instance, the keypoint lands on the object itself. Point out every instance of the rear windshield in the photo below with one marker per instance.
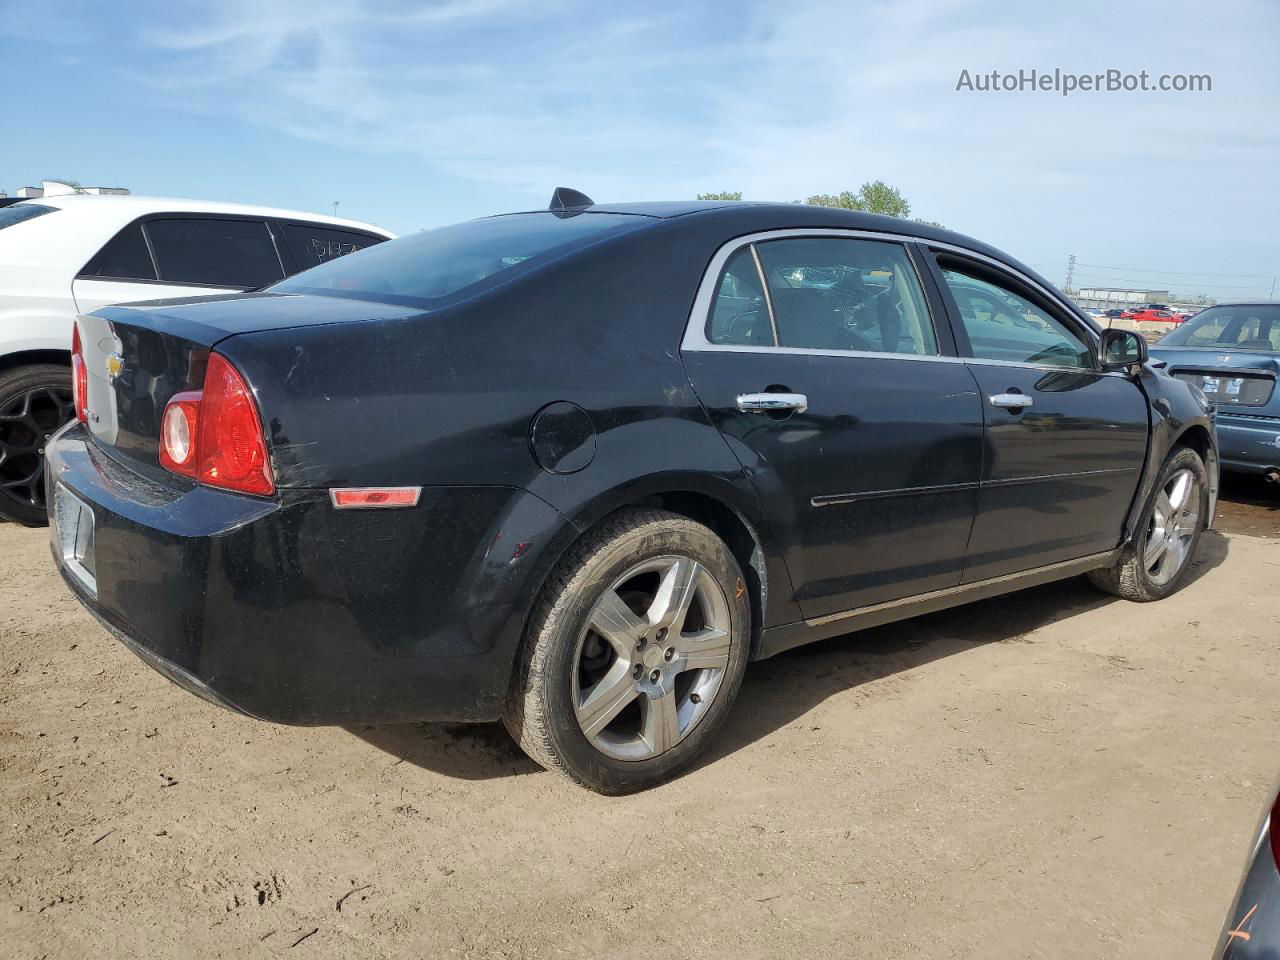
(22, 211)
(425, 269)
(1246, 327)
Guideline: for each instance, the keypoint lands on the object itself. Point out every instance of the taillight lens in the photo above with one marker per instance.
(233, 450)
(215, 435)
(179, 430)
(79, 376)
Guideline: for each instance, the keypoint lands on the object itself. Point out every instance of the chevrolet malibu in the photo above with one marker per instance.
(575, 468)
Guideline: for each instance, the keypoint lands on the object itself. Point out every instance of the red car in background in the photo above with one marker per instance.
(1150, 315)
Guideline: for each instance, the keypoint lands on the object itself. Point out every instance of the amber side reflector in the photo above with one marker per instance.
(357, 498)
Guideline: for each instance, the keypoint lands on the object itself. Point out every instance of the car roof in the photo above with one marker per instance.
(738, 217)
(126, 207)
(762, 215)
(1243, 303)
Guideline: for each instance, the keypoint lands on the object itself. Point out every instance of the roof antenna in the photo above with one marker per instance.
(567, 202)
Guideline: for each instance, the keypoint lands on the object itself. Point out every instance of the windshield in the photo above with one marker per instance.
(428, 268)
(19, 212)
(1247, 327)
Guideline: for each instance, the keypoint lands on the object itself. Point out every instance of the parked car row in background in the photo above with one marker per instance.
(72, 252)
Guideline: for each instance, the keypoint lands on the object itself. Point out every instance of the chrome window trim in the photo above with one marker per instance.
(695, 332)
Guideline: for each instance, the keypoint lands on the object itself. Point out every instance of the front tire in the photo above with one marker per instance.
(634, 654)
(1157, 562)
(35, 401)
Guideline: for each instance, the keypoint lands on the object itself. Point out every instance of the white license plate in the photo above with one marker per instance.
(73, 536)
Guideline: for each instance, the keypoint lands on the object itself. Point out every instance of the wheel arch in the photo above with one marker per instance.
(26, 358)
(730, 513)
(1197, 437)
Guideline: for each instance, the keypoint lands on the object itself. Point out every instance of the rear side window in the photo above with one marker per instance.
(224, 253)
(739, 314)
(313, 245)
(426, 268)
(834, 294)
(19, 212)
(125, 257)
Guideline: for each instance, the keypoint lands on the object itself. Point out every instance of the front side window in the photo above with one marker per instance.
(225, 253)
(1246, 327)
(825, 293)
(1003, 325)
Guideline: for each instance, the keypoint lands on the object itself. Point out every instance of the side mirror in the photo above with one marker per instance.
(1120, 349)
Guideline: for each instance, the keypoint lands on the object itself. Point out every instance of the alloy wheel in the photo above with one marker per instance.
(27, 422)
(651, 658)
(1173, 527)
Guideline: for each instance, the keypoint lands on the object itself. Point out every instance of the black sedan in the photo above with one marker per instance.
(1231, 351)
(575, 468)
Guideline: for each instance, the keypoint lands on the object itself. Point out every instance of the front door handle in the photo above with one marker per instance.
(772, 402)
(1014, 401)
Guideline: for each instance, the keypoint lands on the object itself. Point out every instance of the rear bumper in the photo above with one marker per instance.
(1248, 444)
(291, 611)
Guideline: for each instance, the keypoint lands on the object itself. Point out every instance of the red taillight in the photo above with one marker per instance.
(79, 376)
(232, 448)
(215, 435)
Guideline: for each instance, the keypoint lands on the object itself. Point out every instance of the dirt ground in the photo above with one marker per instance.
(1049, 774)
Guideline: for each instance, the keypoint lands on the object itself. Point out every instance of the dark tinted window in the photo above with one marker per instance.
(229, 253)
(424, 268)
(124, 257)
(22, 211)
(313, 245)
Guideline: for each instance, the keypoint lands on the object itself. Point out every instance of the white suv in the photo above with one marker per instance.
(73, 253)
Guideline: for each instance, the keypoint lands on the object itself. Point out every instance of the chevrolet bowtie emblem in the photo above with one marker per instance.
(115, 363)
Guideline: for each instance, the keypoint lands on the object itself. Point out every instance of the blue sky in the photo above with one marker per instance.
(418, 114)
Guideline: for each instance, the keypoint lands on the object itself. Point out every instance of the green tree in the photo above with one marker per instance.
(723, 195)
(875, 196)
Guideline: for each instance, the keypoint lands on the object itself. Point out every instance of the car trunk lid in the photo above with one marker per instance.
(1229, 378)
(138, 356)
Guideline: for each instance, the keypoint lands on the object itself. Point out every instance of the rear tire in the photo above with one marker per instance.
(634, 654)
(1156, 563)
(35, 402)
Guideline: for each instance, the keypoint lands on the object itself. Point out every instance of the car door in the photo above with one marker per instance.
(165, 256)
(1066, 442)
(816, 354)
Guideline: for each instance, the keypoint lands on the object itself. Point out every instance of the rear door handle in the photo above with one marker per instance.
(772, 402)
(1010, 400)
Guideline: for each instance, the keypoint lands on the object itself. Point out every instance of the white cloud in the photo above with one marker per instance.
(780, 100)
